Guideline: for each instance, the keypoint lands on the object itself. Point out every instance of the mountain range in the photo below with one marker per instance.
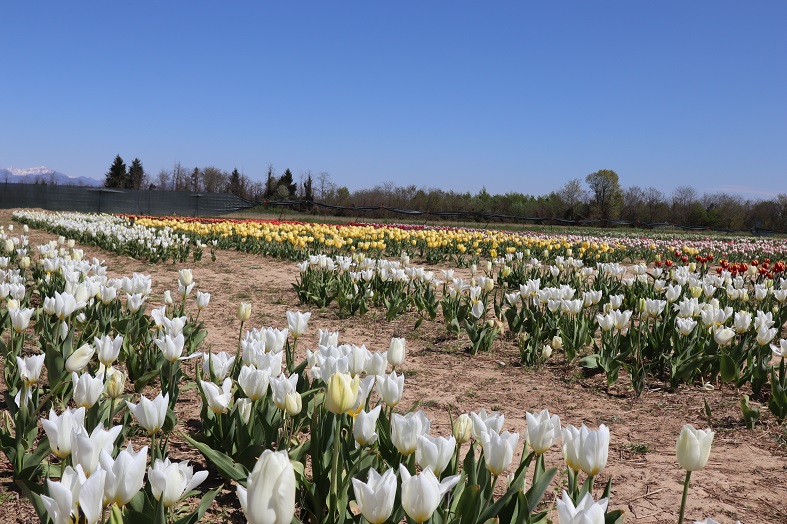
(43, 174)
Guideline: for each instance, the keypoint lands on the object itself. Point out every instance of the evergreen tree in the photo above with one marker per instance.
(287, 183)
(195, 180)
(307, 189)
(235, 186)
(136, 175)
(117, 175)
(270, 183)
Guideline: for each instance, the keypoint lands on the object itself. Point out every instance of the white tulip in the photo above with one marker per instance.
(169, 481)
(434, 452)
(422, 493)
(270, 496)
(125, 474)
(391, 388)
(365, 425)
(80, 358)
(150, 414)
(405, 430)
(87, 389)
(543, 431)
(376, 497)
(298, 322)
(586, 512)
(59, 429)
(396, 351)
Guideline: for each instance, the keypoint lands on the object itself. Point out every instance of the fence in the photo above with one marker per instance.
(128, 201)
(105, 200)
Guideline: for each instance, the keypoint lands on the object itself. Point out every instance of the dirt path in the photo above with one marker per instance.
(744, 479)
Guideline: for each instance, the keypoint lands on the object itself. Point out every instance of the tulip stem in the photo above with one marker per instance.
(685, 496)
(337, 435)
(491, 491)
(539, 467)
(111, 412)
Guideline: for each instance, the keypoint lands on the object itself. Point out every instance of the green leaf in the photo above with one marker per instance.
(469, 504)
(728, 368)
(204, 504)
(536, 492)
(32, 492)
(228, 468)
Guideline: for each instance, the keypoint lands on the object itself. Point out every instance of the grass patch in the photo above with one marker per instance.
(638, 448)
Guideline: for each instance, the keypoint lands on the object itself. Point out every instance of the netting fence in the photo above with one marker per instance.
(183, 203)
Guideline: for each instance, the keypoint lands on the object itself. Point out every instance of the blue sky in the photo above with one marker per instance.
(513, 96)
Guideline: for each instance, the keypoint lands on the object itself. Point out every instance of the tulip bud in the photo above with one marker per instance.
(293, 403)
(202, 300)
(185, 277)
(116, 384)
(243, 406)
(546, 351)
(693, 447)
(80, 358)
(396, 351)
(341, 393)
(462, 429)
(557, 342)
(723, 336)
(244, 311)
(168, 297)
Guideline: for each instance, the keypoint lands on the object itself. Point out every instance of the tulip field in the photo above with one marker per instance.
(175, 370)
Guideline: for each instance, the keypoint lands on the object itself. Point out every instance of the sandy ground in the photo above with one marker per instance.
(744, 479)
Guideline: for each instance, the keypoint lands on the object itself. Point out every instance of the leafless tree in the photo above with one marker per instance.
(163, 180)
(214, 180)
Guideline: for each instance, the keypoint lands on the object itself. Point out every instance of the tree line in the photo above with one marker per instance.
(598, 197)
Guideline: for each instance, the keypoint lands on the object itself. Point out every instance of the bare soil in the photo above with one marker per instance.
(744, 479)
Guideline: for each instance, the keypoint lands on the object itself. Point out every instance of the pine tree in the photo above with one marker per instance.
(235, 186)
(136, 175)
(270, 183)
(308, 195)
(195, 180)
(117, 175)
(289, 185)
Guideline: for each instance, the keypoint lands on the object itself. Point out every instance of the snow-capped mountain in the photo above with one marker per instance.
(43, 174)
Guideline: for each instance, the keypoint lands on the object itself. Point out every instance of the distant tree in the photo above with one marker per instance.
(235, 186)
(572, 194)
(195, 187)
(308, 195)
(117, 175)
(136, 175)
(655, 204)
(270, 182)
(180, 177)
(606, 193)
(325, 186)
(214, 180)
(633, 204)
(287, 182)
(163, 180)
(683, 199)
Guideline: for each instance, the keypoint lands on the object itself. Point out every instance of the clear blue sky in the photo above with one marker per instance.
(514, 96)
